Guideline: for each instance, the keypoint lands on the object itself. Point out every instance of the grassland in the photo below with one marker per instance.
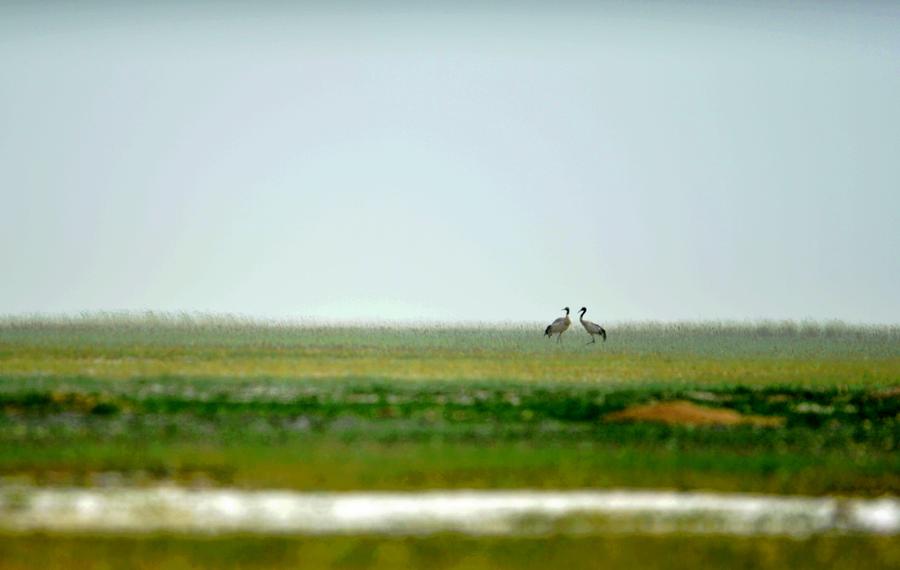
(115, 400)
(785, 353)
(239, 403)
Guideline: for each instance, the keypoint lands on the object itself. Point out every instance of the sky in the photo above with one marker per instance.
(453, 161)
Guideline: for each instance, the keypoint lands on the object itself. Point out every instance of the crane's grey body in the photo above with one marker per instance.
(591, 328)
(558, 326)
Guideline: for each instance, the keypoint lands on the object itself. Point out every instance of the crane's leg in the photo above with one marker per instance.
(558, 337)
(593, 340)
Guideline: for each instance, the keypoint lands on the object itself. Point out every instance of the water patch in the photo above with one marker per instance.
(522, 512)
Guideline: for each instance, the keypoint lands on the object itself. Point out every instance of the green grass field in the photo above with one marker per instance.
(122, 400)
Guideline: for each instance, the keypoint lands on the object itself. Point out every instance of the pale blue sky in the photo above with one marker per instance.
(340, 160)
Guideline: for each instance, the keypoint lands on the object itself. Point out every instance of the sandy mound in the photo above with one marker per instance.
(681, 412)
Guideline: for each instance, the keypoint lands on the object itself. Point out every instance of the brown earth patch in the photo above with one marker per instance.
(892, 392)
(682, 412)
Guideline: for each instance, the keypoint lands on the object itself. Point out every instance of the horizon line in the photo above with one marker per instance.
(306, 321)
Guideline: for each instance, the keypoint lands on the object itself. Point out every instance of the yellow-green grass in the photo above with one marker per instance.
(329, 364)
(446, 552)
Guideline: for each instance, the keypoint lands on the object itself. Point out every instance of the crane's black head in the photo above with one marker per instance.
(566, 309)
(582, 310)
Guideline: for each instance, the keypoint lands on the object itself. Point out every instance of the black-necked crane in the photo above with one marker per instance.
(558, 326)
(591, 328)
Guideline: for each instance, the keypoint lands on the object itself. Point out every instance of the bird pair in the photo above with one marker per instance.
(561, 324)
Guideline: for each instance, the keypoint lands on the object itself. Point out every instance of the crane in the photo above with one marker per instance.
(558, 326)
(591, 328)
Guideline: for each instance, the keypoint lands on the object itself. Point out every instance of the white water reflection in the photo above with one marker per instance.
(173, 509)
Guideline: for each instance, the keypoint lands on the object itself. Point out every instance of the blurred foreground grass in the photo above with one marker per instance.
(447, 551)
